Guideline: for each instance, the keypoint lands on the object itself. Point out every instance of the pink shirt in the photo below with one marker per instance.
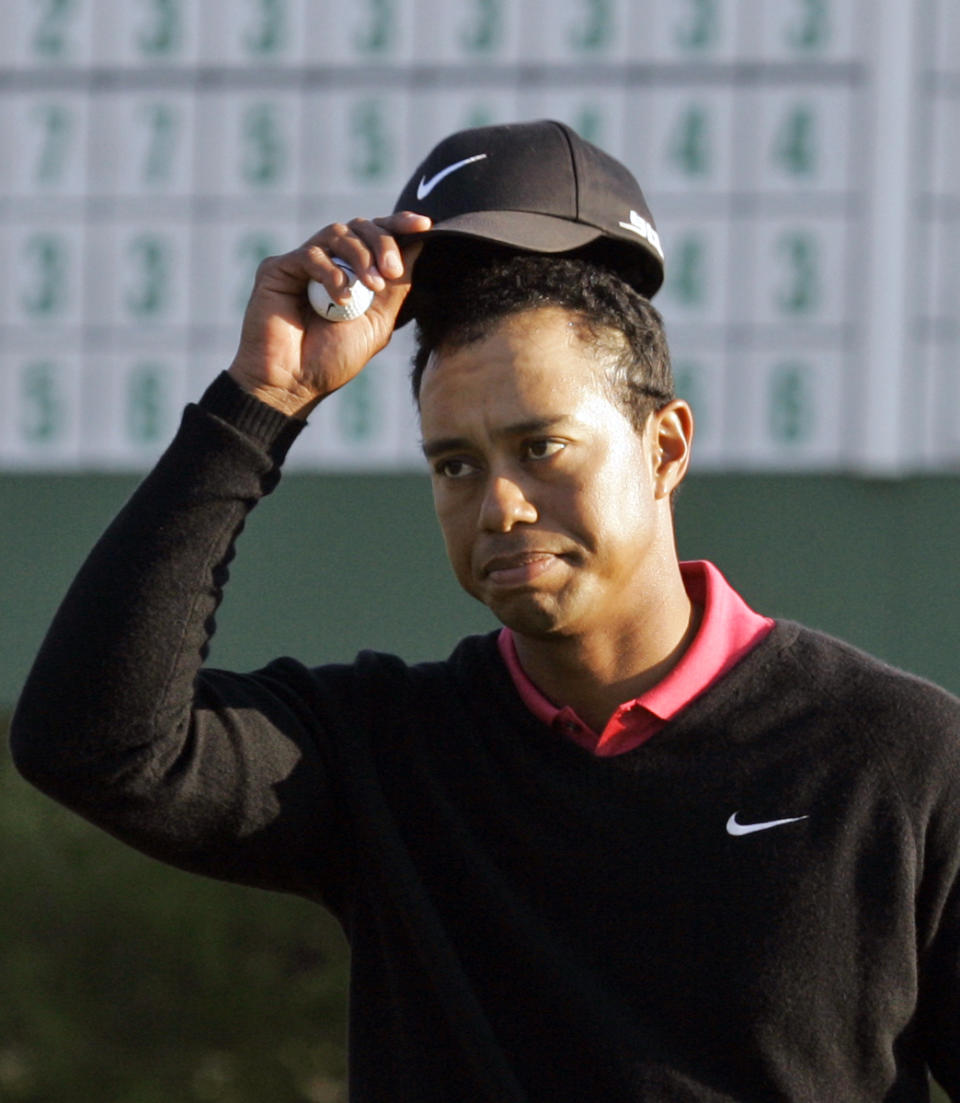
(728, 630)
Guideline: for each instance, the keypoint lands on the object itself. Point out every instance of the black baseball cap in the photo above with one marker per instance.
(537, 187)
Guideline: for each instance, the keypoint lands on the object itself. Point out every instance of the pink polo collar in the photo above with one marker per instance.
(728, 630)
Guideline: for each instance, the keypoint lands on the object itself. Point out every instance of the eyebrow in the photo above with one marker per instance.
(442, 445)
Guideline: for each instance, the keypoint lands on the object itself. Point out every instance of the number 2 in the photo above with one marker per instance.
(702, 30)
(596, 30)
(269, 35)
(483, 34)
(812, 31)
(49, 35)
(163, 35)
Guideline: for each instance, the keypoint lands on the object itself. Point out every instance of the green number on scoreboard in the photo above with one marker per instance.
(41, 405)
(595, 32)
(45, 295)
(56, 123)
(690, 144)
(149, 295)
(811, 30)
(162, 35)
(484, 33)
(162, 126)
(590, 123)
(701, 30)
(479, 114)
(358, 410)
(372, 155)
(269, 35)
(687, 282)
(378, 36)
(795, 145)
(146, 404)
(50, 34)
(791, 410)
(263, 159)
(800, 293)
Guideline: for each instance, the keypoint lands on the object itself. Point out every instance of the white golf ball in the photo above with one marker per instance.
(360, 297)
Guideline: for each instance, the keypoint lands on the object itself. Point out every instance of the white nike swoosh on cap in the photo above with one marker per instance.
(425, 187)
(735, 828)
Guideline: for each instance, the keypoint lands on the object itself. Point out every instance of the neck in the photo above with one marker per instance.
(593, 673)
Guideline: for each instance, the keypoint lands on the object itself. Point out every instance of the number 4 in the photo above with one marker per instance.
(795, 147)
(690, 147)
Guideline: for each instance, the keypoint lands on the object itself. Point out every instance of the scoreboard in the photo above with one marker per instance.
(801, 159)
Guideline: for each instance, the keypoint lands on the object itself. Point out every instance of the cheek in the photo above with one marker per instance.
(455, 527)
(626, 482)
(613, 509)
(588, 506)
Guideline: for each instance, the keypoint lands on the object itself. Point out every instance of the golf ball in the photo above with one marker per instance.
(360, 297)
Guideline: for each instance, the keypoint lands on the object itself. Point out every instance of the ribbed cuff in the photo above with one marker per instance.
(272, 430)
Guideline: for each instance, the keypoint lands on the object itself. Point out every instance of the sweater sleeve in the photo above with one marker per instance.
(210, 771)
(939, 928)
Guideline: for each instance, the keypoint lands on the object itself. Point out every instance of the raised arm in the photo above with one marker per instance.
(118, 719)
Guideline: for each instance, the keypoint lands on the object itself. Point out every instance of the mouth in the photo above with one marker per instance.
(519, 568)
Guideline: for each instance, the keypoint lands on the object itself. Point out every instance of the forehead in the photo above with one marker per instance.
(528, 359)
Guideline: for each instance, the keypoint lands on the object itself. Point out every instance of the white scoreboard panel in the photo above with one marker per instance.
(801, 157)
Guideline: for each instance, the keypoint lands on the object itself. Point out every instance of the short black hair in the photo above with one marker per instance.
(462, 289)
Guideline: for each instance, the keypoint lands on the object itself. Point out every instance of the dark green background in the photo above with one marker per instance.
(135, 983)
(329, 565)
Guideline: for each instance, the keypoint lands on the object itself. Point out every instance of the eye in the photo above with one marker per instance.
(543, 449)
(454, 468)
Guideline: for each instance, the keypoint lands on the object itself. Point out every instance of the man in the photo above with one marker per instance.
(642, 843)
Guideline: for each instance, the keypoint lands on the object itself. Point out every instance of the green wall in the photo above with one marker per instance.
(874, 562)
(332, 564)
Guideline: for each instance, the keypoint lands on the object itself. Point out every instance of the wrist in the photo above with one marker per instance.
(292, 401)
(261, 422)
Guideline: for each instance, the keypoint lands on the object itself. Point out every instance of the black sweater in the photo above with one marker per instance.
(527, 922)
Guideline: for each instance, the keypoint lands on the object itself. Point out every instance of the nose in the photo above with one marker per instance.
(505, 504)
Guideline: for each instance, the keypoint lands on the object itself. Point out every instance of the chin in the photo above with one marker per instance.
(528, 617)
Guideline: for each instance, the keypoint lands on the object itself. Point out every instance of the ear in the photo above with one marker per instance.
(671, 433)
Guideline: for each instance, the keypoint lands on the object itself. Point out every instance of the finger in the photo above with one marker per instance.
(405, 222)
(368, 246)
(394, 260)
(318, 258)
(380, 237)
(321, 250)
(355, 244)
(388, 302)
(381, 256)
